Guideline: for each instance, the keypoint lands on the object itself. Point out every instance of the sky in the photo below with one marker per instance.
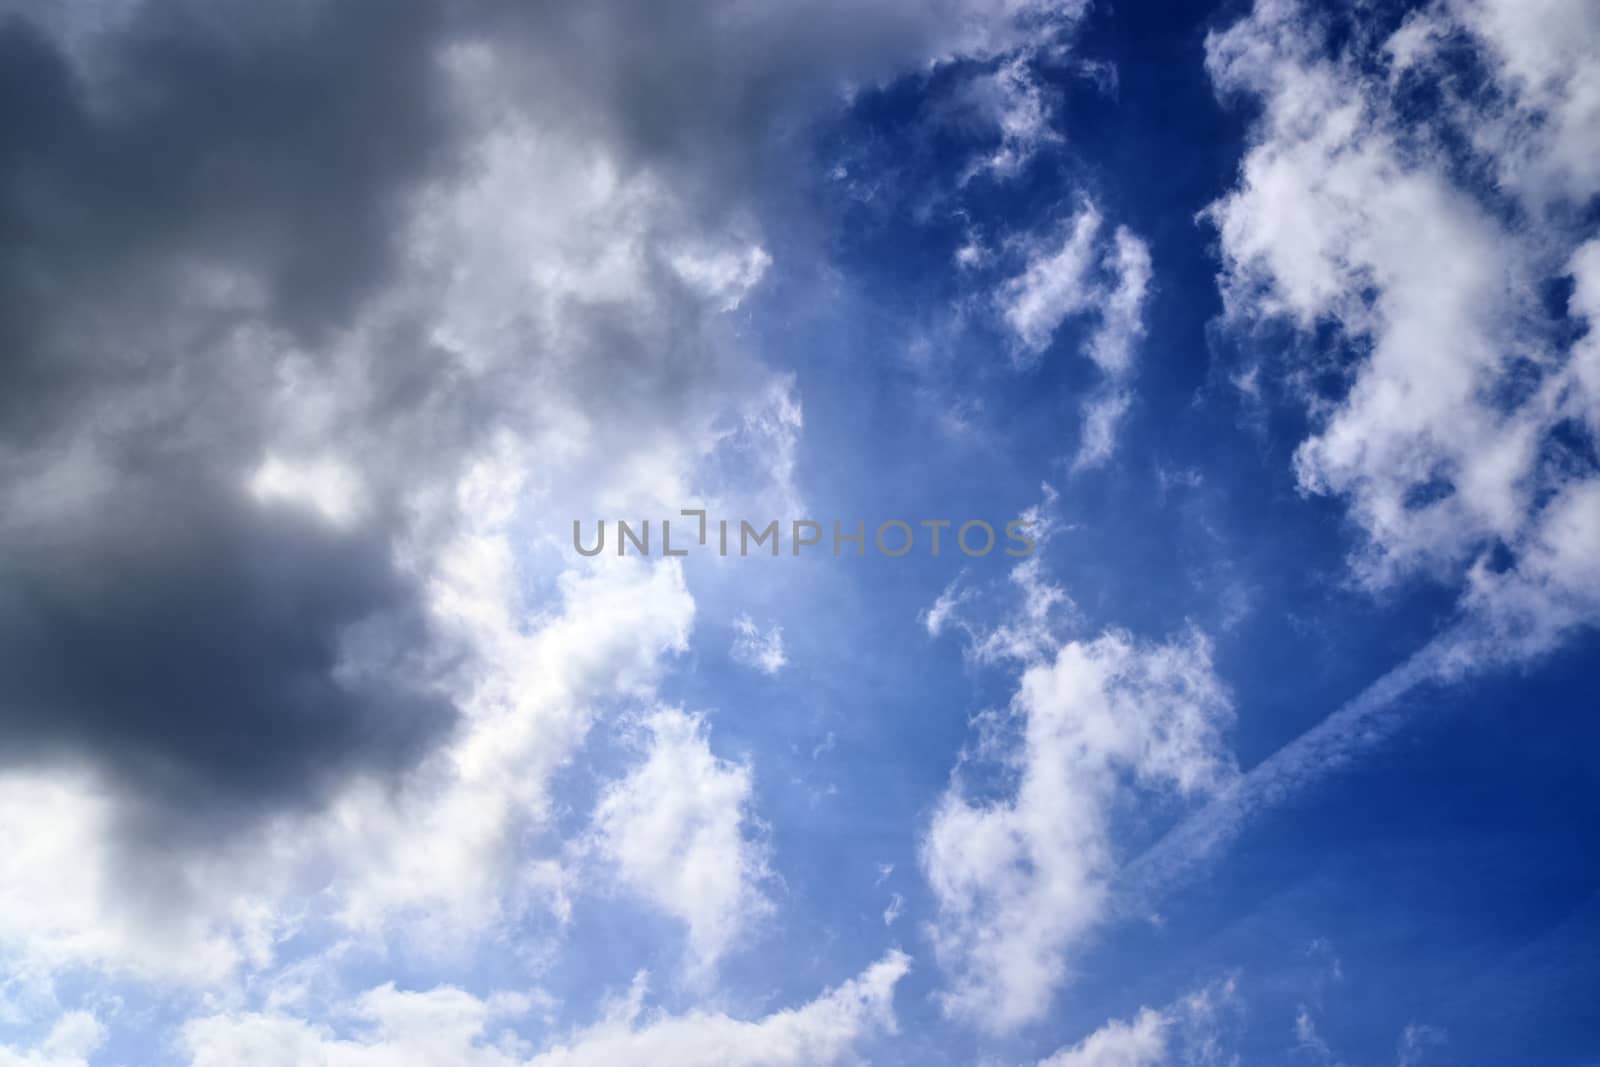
(336, 332)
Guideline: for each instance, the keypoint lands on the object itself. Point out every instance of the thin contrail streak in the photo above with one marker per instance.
(1365, 720)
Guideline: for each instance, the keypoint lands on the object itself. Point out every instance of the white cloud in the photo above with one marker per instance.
(1541, 135)
(1417, 1040)
(324, 486)
(62, 901)
(1018, 879)
(1057, 282)
(758, 648)
(1333, 743)
(71, 1041)
(1102, 414)
(1140, 1043)
(1121, 311)
(1033, 631)
(676, 829)
(1011, 98)
(723, 275)
(943, 611)
(508, 294)
(1415, 1044)
(1439, 468)
(1446, 442)
(436, 853)
(1308, 1042)
(1082, 273)
(449, 1026)
(1187, 1031)
(1112, 348)
(405, 1029)
(1553, 588)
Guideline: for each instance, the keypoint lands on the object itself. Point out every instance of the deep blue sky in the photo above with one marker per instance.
(570, 261)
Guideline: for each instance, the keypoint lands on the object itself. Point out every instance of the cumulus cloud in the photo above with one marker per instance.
(71, 1041)
(1081, 272)
(1018, 878)
(290, 389)
(1459, 439)
(447, 1025)
(677, 828)
(297, 477)
(437, 851)
(1454, 431)
(208, 649)
(1538, 123)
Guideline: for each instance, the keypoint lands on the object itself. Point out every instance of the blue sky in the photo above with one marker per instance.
(1273, 321)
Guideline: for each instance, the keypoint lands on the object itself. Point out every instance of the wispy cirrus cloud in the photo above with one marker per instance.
(758, 648)
(1081, 272)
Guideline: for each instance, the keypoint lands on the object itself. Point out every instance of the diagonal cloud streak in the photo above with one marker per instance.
(1366, 720)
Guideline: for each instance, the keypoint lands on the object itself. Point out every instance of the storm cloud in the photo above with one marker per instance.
(197, 186)
(275, 280)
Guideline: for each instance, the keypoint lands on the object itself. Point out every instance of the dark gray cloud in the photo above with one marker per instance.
(285, 136)
(206, 651)
(202, 200)
(209, 650)
(191, 200)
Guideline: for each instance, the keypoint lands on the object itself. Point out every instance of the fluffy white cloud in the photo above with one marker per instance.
(676, 829)
(71, 1041)
(1084, 273)
(1447, 438)
(440, 855)
(1188, 1031)
(526, 649)
(448, 1026)
(1540, 135)
(1140, 1043)
(437, 852)
(1017, 879)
